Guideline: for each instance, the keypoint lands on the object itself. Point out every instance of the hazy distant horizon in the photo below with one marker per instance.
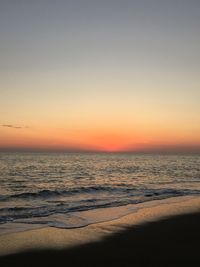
(182, 150)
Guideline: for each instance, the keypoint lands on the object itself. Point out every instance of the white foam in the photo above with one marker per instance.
(83, 218)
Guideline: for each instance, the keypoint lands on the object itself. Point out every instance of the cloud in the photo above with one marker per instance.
(14, 126)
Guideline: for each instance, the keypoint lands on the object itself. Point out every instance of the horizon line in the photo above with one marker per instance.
(170, 150)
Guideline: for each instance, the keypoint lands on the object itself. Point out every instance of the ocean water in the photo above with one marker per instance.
(37, 188)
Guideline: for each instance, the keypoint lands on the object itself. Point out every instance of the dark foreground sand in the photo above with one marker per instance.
(173, 241)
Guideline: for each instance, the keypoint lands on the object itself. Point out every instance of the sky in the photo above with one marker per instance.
(102, 75)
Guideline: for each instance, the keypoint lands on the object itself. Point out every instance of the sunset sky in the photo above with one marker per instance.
(103, 75)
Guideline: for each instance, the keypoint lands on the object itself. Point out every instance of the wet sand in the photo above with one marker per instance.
(167, 234)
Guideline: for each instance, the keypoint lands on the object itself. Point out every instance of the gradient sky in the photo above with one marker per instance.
(100, 74)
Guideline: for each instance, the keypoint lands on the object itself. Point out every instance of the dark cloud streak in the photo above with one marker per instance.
(14, 126)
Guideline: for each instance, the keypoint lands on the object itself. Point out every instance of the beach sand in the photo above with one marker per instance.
(160, 233)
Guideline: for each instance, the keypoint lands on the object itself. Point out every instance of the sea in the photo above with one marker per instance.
(50, 189)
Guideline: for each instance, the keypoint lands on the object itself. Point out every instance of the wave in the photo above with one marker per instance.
(118, 189)
(58, 192)
(47, 202)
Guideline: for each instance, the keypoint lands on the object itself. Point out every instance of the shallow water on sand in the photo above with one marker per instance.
(43, 187)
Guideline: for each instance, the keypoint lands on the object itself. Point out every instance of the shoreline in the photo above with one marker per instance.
(80, 219)
(58, 239)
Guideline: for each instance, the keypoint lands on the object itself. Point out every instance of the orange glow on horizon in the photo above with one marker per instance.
(95, 140)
